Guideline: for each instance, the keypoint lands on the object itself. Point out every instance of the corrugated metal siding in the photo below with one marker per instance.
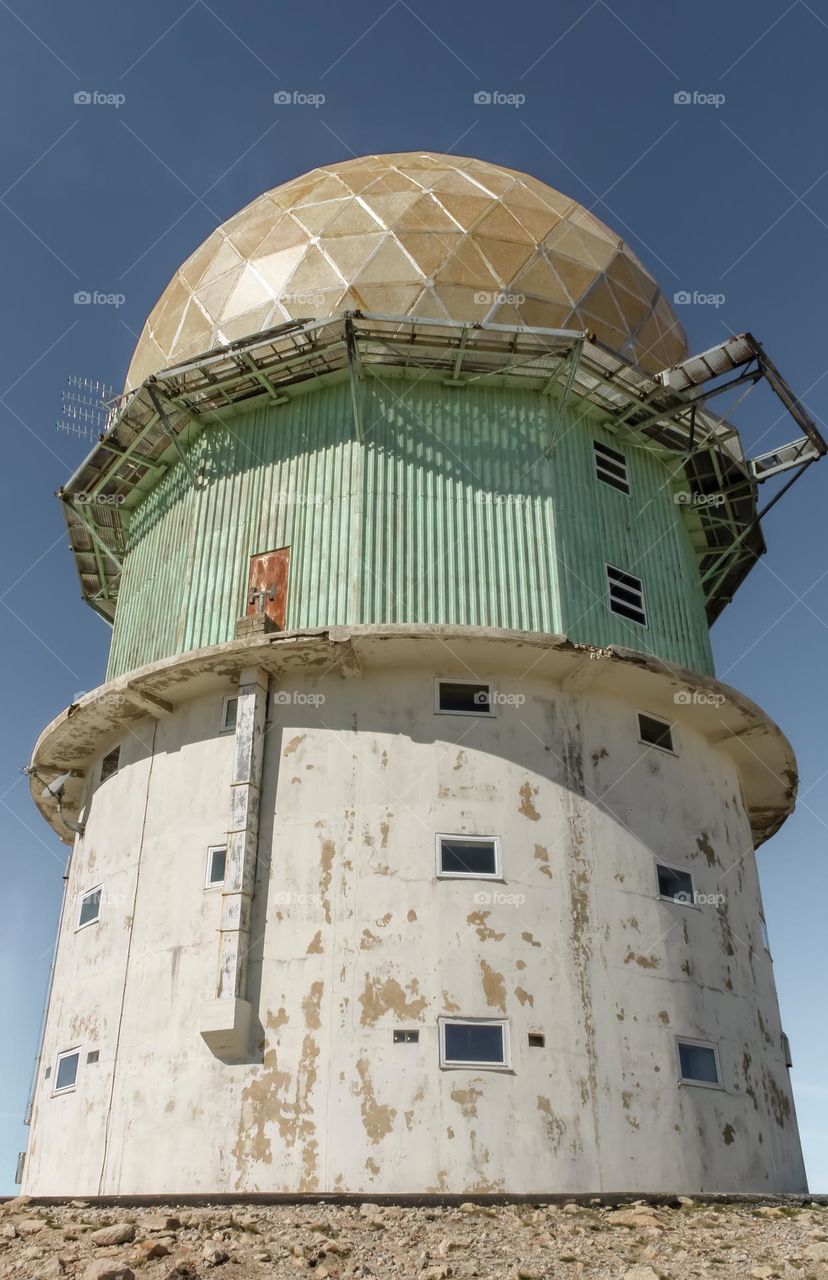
(447, 513)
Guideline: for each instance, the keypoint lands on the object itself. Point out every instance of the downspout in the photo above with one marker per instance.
(227, 1018)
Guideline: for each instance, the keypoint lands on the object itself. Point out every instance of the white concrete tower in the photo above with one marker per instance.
(412, 834)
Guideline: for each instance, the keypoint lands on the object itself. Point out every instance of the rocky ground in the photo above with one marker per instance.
(640, 1241)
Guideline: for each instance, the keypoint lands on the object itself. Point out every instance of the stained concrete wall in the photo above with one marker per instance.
(353, 936)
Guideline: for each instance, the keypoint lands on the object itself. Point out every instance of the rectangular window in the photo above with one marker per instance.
(674, 884)
(655, 733)
(470, 856)
(92, 1056)
(698, 1063)
(216, 864)
(90, 908)
(464, 697)
(536, 1040)
(110, 763)
(406, 1037)
(473, 1043)
(229, 712)
(626, 595)
(611, 466)
(66, 1072)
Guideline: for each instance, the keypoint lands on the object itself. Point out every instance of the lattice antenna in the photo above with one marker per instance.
(87, 409)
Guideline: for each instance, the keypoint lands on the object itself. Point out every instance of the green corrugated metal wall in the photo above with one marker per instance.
(448, 511)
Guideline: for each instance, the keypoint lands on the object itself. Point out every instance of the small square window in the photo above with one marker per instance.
(474, 1043)
(216, 865)
(110, 763)
(47, 1073)
(675, 884)
(474, 857)
(90, 908)
(66, 1071)
(765, 939)
(786, 1050)
(611, 466)
(626, 595)
(698, 1063)
(406, 1037)
(464, 697)
(229, 713)
(92, 1056)
(537, 1040)
(655, 733)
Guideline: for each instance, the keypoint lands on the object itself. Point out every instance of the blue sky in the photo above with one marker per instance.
(717, 198)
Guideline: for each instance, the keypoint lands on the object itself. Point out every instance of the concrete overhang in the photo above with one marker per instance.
(731, 723)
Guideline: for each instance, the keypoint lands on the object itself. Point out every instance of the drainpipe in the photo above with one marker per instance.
(227, 1018)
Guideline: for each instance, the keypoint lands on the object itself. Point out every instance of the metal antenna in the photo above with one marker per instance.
(88, 408)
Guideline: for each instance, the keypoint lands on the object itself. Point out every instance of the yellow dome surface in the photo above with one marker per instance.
(417, 234)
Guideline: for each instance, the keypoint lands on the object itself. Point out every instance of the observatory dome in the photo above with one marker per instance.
(418, 234)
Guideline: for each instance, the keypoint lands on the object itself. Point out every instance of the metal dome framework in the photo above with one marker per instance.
(153, 425)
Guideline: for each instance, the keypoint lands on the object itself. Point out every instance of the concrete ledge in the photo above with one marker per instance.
(226, 1026)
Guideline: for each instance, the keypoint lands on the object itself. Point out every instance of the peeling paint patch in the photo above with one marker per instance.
(705, 847)
(541, 854)
(311, 1005)
(554, 1125)
(728, 1134)
(449, 1005)
(466, 1100)
(643, 962)
(528, 937)
(368, 940)
(412, 916)
(294, 744)
(494, 987)
(389, 997)
(664, 1018)
(527, 802)
(372, 1166)
(314, 947)
(377, 1119)
(326, 872)
(524, 997)
(484, 931)
(460, 761)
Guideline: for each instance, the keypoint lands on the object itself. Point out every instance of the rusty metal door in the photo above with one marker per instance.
(267, 585)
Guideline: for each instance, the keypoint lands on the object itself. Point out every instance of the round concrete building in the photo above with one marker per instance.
(412, 833)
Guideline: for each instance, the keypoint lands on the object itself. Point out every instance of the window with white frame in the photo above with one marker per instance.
(216, 866)
(463, 697)
(89, 911)
(675, 884)
(611, 466)
(473, 857)
(698, 1063)
(66, 1071)
(653, 732)
(229, 713)
(110, 763)
(474, 1042)
(626, 595)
